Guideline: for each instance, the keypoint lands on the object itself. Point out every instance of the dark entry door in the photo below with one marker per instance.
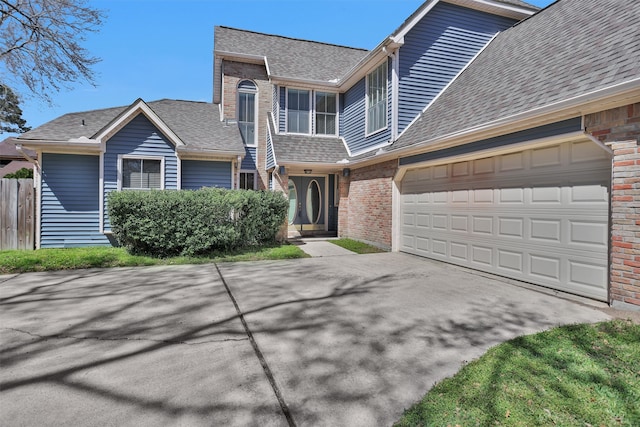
(307, 203)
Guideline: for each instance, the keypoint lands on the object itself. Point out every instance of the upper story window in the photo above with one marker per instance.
(298, 111)
(141, 173)
(326, 112)
(377, 99)
(247, 111)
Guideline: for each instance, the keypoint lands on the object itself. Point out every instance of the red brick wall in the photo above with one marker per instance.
(620, 129)
(366, 204)
(233, 73)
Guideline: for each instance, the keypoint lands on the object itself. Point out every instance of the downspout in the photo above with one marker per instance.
(395, 82)
(236, 185)
(395, 87)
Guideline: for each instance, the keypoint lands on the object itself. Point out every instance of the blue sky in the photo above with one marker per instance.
(154, 49)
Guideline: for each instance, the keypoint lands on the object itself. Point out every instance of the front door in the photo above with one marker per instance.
(307, 203)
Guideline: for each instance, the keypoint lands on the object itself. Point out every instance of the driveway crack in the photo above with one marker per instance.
(263, 362)
(74, 337)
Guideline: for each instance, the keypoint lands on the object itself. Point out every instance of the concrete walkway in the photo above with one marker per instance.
(320, 247)
(327, 341)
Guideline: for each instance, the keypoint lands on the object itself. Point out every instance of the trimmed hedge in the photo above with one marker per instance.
(185, 222)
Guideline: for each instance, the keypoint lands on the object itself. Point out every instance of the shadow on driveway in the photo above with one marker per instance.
(350, 340)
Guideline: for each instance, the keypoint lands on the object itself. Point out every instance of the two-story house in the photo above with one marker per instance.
(483, 133)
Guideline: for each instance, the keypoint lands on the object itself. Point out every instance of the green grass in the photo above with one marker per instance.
(356, 246)
(579, 375)
(105, 257)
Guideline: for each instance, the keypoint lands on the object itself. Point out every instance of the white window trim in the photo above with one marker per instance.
(255, 106)
(255, 177)
(366, 101)
(286, 111)
(122, 157)
(313, 112)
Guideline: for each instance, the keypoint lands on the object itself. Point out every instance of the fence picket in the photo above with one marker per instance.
(17, 224)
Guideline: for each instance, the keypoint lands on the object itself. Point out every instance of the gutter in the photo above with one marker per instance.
(592, 102)
(27, 157)
(83, 145)
(229, 153)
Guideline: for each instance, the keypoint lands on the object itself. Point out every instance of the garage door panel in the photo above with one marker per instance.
(589, 233)
(553, 233)
(547, 230)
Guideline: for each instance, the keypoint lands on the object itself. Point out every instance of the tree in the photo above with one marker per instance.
(20, 174)
(10, 112)
(40, 43)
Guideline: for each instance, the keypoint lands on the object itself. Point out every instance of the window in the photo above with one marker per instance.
(377, 99)
(247, 181)
(298, 111)
(326, 113)
(247, 111)
(141, 174)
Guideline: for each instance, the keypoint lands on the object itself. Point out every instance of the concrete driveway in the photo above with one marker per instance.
(350, 340)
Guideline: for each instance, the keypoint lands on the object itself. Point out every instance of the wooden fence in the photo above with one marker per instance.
(17, 214)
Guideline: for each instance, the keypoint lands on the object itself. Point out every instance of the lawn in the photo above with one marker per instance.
(103, 257)
(578, 375)
(356, 246)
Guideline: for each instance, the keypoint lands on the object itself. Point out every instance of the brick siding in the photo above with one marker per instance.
(233, 73)
(619, 128)
(365, 211)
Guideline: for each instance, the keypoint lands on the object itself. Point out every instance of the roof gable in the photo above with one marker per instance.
(138, 107)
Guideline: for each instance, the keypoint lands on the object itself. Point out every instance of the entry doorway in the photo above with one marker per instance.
(307, 204)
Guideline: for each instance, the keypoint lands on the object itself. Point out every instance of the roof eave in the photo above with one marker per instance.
(73, 146)
(186, 153)
(366, 64)
(283, 80)
(314, 167)
(496, 8)
(603, 99)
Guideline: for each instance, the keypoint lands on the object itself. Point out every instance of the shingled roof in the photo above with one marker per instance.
(197, 124)
(308, 149)
(289, 57)
(569, 49)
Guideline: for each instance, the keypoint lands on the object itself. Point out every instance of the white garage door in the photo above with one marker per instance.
(538, 215)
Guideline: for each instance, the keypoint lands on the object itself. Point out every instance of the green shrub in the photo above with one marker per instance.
(182, 222)
(23, 173)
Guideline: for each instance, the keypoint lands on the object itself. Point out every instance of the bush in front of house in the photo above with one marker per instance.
(183, 222)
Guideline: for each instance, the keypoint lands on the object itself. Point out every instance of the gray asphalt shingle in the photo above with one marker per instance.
(306, 148)
(569, 49)
(197, 124)
(288, 57)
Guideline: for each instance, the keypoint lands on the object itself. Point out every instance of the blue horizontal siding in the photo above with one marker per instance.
(274, 106)
(545, 131)
(70, 201)
(250, 160)
(138, 137)
(282, 125)
(197, 174)
(436, 49)
(271, 163)
(352, 117)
